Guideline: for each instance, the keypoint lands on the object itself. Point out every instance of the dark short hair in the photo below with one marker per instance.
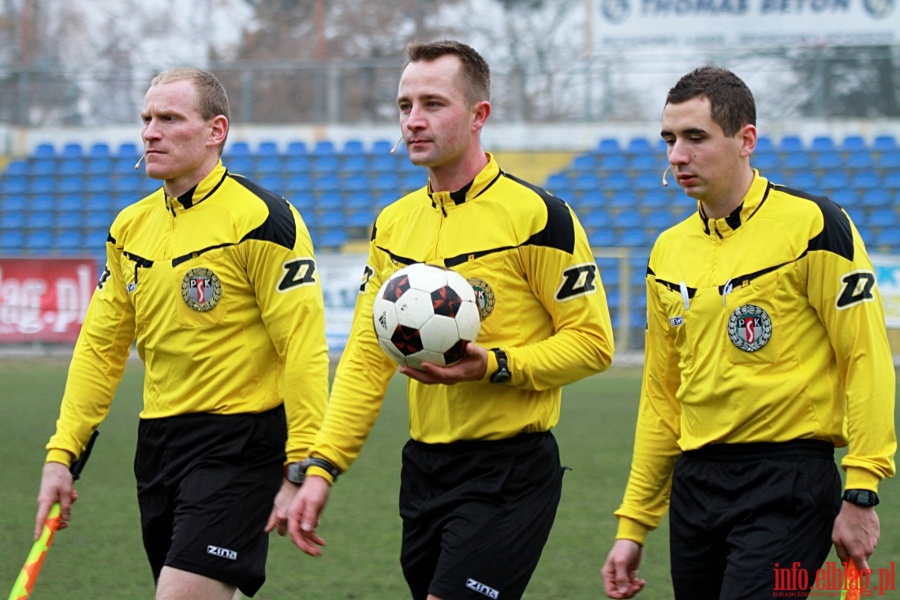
(212, 100)
(731, 101)
(474, 68)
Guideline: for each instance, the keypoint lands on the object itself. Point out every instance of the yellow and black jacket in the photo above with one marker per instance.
(540, 297)
(219, 290)
(764, 326)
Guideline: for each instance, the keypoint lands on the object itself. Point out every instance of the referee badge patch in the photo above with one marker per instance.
(484, 297)
(749, 327)
(201, 289)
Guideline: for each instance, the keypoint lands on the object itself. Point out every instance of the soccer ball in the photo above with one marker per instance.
(425, 313)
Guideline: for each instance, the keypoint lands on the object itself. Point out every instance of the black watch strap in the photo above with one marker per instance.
(295, 472)
(502, 374)
(861, 497)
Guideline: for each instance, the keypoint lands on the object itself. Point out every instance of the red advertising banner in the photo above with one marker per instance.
(44, 299)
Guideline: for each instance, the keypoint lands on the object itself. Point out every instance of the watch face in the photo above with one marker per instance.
(295, 473)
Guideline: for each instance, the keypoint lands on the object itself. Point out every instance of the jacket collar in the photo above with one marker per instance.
(752, 201)
(199, 192)
(485, 178)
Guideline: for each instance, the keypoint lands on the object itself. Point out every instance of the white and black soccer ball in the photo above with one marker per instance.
(425, 313)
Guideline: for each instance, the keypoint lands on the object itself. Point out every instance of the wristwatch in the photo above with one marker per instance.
(861, 497)
(501, 375)
(295, 472)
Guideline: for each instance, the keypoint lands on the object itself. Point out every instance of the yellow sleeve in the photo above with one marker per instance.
(656, 434)
(362, 376)
(570, 289)
(98, 362)
(289, 294)
(844, 292)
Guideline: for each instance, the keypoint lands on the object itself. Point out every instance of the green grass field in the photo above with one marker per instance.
(100, 556)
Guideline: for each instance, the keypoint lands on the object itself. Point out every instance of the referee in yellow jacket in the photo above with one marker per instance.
(766, 348)
(481, 475)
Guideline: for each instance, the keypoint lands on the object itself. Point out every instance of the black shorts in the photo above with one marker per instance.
(206, 484)
(741, 512)
(477, 514)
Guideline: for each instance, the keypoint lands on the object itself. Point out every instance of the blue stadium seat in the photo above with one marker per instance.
(12, 220)
(103, 202)
(590, 200)
(596, 219)
(273, 183)
(99, 166)
(845, 197)
(834, 180)
(40, 240)
(556, 180)
(889, 160)
(238, 149)
(42, 202)
(72, 166)
(354, 164)
(796, 161)
(130, 184)
(602, 238)
(98, 183)
(625, 198)
(859, 160)
(69, 239)
(659, 220)
(383, 163)
(324, 147)
(655, 199)
(875, 197)
(17, 167)
(586, 181)
(42, 167)
(412, 181)
(827, 160)
(382, 199)
(853, 143)
(884, 143)
(804, 180)
(328, 182)
(633, 237)
(99, 150)
(68, 219)
(11, 242)
(353, 147)
(628, 218)
(764, 144)
(128, 150)
(584, 162)
(266, 165)
(40, 220)
(14, 184)
(267, 148)
(822, 143)
(765, 162)
(790, 144)
(646, 162)
(332, 219)
(297, 182)
(884, 216)
(639, 145)
(296, 148)
(608, 146)
(888, 237)
(241, 165)
(616, 182)
(325, 163)
(357, 200)
(296, 164)
(72, 150)
(99, 219)
(13, 203)
(44, 150)
(613, 162)
(361, 217)
(382, 147)
(70, 202)
(356, 183)
(866, 180)
(331, 239)
(329, 201)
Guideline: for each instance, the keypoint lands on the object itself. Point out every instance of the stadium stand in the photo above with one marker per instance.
(61, 200)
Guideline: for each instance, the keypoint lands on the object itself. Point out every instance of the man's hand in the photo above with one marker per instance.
(56, 486)
(620, 570)
(471, 368)
(278, 519)
(855, 534)
(304, 512)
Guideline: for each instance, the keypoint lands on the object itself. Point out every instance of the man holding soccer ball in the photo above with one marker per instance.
(481, 476)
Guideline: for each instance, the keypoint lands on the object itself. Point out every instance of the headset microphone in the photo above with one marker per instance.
(666, 172)
(138, 163)
(397, 145)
